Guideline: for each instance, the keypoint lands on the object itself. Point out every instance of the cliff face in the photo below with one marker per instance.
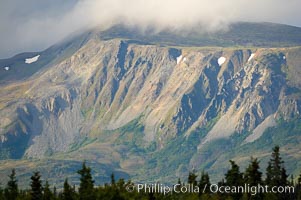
(169, 92)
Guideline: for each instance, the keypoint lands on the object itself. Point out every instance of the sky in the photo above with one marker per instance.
(34, 25)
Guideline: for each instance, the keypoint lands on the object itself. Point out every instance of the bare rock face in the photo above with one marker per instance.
(105, 85)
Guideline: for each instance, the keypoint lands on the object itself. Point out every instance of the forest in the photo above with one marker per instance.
(286, 187)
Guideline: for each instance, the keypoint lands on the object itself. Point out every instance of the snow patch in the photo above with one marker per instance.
(179, 59)
(221, 61)
(251, 57)
(32, 60)
(6, 68)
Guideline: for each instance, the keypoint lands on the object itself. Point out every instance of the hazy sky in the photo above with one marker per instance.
(33, 25)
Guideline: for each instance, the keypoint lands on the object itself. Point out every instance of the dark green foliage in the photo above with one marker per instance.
(298, 188)
(54, 191)
(252, 177)
(204, 183)
(36, 186)
(68, 192)
(47, 195)
(239, 34)
(86, 186)
(234, 178)
(112, 179)
(284, 176)
(205, 180)
(178, 185)
(192, 178)
(269, 174)
(118, 189)
(11, 190)
(276, 162)
(1, 193)
(276, 174)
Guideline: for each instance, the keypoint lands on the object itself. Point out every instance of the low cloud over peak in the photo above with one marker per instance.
(34, 25)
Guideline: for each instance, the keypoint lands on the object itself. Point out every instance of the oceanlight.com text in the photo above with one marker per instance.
(213, 188)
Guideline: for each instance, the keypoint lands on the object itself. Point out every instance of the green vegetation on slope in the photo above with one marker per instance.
(199, 185)
(239, 34)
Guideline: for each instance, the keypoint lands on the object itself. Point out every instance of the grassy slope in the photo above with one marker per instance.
(239, 34)
(126, 154)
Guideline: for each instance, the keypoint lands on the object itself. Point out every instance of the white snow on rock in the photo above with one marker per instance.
(6, 68)
(179, 59)
(251, 57)
(32, 60)
(221, 61)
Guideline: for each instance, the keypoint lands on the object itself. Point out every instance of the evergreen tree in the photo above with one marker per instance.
(221, 195)
(192, 178)
(120, 184)
(179, 184)
(276, 173)
(234, 178)
(11, 191)
(36, 186)
(86, 187)
(284, 176)
(204, 183)
(298, 188)
(67, 192)
(275, 170)
(54, 192)
(47, 195)
(284, 182)
(113, 179)
(1, 193)
(252, 177)
(292, 182)
(205, 180)
(269, 174)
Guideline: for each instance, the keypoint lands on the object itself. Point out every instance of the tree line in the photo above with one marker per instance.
(276, 175)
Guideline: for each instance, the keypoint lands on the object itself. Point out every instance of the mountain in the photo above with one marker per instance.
(152, 107)
(238, 34)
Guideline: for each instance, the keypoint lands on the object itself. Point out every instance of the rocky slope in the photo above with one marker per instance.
(131, 105)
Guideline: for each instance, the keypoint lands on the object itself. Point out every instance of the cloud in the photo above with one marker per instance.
(38, 25)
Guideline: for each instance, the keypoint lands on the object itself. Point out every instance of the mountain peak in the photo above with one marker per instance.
(132, 101)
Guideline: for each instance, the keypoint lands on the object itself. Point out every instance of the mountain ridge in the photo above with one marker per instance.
(136, 108)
